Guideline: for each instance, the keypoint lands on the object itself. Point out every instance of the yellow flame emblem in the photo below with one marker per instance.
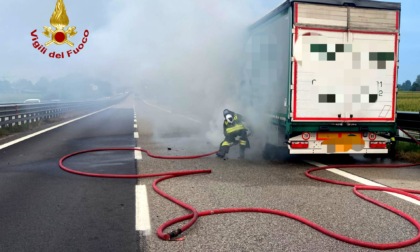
(59, 20)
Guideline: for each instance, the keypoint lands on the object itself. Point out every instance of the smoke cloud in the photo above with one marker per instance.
(182, 57)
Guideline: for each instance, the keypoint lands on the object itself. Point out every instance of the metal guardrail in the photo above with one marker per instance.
(410, 123)
(408, 120)
(19, 114)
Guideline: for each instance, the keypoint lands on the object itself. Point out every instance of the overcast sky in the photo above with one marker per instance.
(126, 37)
(130, 39)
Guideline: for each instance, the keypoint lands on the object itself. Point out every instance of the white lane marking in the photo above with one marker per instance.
(48, 129)
(363, 181)
(169, 111)
(138, 155)
(142, 210)
(189, 118)
(155, 106)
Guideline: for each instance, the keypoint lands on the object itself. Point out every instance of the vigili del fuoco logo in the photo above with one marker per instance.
(59, 34)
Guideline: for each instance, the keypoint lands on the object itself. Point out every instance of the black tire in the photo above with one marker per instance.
(275, 153)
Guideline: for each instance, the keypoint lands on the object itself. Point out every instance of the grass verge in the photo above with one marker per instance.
(408, 151)
(6, 131)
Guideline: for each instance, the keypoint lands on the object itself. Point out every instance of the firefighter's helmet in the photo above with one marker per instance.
(228, 115)
(229, 118)
(226, 112)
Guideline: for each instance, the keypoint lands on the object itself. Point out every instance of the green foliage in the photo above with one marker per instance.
(408, 151)
(17, 128)
(19, 97)
(415, 87)
(5, 131)
(408, 101)
(405, 146)
(68, 88)
(406, 86)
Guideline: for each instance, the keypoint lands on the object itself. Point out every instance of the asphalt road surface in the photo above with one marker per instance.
(43, 208)
(254, 182)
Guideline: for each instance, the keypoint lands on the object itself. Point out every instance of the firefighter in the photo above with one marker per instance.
(234, 127)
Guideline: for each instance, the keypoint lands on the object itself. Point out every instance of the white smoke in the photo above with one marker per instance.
(181, 56)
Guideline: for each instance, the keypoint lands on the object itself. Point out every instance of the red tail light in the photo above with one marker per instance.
(299, 144)
(377, 145)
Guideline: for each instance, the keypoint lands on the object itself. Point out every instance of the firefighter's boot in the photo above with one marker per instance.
(242, 152)
(220, 155)
(222, 151)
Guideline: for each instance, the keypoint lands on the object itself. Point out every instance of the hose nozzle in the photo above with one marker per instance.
(175, 233)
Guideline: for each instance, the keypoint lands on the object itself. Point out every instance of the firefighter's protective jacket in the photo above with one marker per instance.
(235, 129)
(236, 126)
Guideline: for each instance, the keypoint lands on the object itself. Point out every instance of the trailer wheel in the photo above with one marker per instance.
(268, 152)
(275, 153)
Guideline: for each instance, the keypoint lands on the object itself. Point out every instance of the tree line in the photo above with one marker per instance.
(68, 88)
(408, 86)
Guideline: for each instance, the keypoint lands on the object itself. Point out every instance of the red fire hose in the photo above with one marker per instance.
(195, 214)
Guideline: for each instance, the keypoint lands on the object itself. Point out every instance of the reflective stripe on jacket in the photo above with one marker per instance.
(235, 126)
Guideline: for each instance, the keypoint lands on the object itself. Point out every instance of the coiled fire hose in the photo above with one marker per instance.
(195, 214)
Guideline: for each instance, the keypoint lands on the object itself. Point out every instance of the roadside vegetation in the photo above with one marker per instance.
(6, 131)
(408, 101)
(68, 88)
(18, 98)
(408, 151)
(17, 128)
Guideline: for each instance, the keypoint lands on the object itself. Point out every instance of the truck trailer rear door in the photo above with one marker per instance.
(344, 63)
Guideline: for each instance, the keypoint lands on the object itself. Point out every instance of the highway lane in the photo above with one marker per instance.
(254, 182)
(43, 208)
(46, 209)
